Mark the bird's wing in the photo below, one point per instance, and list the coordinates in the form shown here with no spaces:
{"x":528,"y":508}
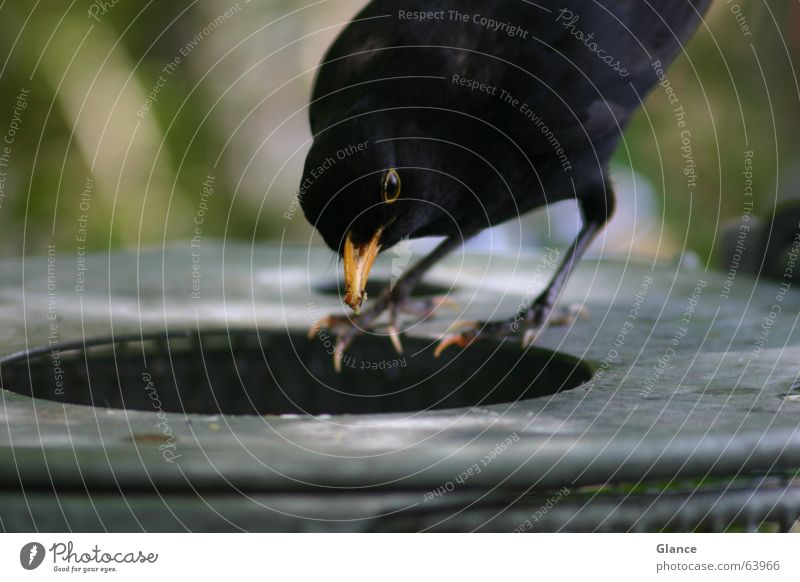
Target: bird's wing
{"x":594,"y":64}
{"x":554,"y":70}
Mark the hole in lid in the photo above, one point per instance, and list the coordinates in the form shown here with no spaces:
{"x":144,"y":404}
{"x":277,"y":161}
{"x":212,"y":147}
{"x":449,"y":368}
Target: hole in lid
{"x":278,"y":372}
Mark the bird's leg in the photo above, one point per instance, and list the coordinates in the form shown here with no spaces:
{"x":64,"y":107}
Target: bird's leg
{"x":596,"y":209}
{"x":392,"y":300}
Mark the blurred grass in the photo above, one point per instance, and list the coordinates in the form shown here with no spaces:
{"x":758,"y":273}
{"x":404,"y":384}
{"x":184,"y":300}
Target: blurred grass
{"x":88,"y":79}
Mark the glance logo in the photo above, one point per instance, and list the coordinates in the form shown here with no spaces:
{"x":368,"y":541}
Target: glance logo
{"x":31,"y":555}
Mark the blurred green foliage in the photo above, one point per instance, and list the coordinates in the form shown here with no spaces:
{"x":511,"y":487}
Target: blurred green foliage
{"x":88,"y":79}
{"x":740,"y":93}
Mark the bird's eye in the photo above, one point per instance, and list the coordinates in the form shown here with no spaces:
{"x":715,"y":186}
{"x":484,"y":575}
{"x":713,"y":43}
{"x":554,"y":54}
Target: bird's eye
{"x":391,"y":186}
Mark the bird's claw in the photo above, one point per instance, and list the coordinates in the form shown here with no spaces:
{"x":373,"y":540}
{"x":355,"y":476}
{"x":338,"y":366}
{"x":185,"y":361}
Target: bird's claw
{"x":535,"y":322}
{"x":348,"y":329}
{"x":394,"y":336}
{"x":345,"y":331}
{"x":329,"y":322}
{"x":462,"y":340}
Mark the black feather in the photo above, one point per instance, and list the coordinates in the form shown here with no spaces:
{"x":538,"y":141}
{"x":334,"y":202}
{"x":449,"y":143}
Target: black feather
{"x":472,"y":158}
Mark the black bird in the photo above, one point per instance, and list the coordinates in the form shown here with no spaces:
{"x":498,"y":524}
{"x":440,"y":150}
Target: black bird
{"x":443,"y":118}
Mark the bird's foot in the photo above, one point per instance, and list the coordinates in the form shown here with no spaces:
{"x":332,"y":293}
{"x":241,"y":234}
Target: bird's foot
{"x":347,"y":328}
{"x":532,"y":322}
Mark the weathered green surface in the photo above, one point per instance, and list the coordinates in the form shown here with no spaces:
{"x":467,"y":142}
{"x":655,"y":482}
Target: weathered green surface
{"x":718,"y":404}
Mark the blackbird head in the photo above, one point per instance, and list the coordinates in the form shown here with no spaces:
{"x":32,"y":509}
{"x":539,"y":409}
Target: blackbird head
{"x":364,"y":195}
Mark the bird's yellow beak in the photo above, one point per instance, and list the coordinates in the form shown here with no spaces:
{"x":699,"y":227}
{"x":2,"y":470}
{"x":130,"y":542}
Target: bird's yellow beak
{"x":358,"y":260}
